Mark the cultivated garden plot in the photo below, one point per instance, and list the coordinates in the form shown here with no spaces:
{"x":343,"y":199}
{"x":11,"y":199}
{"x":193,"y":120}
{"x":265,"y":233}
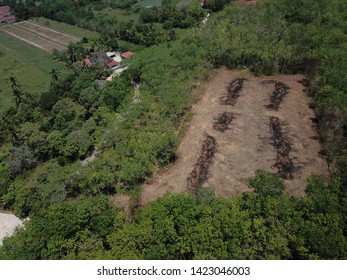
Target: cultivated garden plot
{"x":242,"y":124}
{"x":39,"y":36}
{"x":48,"y":33}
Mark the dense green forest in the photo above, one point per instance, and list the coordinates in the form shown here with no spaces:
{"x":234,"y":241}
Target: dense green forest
{"x":43,"y":138}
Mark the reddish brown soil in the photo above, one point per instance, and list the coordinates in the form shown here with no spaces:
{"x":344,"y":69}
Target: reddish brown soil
{"x":248,"y":144}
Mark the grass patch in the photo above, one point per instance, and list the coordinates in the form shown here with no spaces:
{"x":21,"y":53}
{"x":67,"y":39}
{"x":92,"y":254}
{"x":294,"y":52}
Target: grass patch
{"x":66,"y":28}
{"x":128,"y":46}
{"x":30,"y":65}
{"x":175,"y":2}
{"x":118,"y":14}
{"x":154,"y":3}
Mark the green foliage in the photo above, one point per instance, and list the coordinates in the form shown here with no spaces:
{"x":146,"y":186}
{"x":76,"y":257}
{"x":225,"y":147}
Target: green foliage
{"x":267,"y":184}
{"x":134,"y":131}
{"x":65,"y":230}
{"x":21,"y":159}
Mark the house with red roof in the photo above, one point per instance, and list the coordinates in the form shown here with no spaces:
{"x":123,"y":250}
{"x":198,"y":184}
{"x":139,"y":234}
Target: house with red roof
{"x":127,"y":54}
{"x":100,"y":58}
{"x":5,"y":15}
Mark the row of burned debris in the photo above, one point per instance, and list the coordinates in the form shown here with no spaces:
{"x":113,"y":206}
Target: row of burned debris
{"x":284,"y":164}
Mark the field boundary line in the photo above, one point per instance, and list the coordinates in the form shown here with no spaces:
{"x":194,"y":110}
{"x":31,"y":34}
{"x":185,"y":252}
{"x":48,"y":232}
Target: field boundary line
{"x":55,"y":31}
{"x":40,"y":34}
{"x":25,"y":40}
{"x":183,"y":3}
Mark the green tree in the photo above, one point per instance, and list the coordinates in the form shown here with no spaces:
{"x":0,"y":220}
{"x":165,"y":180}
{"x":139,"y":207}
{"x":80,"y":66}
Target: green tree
{"x":16,"y":90}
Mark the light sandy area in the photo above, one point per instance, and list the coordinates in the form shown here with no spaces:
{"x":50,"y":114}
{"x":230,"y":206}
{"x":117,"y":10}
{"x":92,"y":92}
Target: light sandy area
{"x":8,"y":224}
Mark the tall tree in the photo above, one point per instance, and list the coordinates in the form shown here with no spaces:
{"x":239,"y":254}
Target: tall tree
{"x":16,"y":90}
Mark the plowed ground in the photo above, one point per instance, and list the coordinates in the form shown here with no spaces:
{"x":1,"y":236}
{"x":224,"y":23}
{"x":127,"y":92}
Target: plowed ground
{"x":250,"y":142}
{"x":39,"y":36}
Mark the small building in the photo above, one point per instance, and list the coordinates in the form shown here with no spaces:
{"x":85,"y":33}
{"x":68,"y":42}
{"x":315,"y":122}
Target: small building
{"x":112,"y":64}
{"x":5,"y":15}
{"x":127,"y":54}
{"x":100,"y":58}
{"x":87,"y":61}
{"x":110,"y":54}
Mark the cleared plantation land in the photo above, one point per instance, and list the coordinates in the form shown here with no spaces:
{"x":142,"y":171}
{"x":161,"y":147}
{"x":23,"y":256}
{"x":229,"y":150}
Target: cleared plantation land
{"x":30,"y":65}
{"x":236,"y":131}
{"x":38,"y":36}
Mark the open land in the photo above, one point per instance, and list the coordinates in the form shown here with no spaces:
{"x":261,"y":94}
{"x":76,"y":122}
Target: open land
{"x":118,"y":14}
{"x":39,"y":36}
{"x":8,"y":224}
{"x":65,"y":28}
{"x":31,"y":66}
{"x":242,"y":124}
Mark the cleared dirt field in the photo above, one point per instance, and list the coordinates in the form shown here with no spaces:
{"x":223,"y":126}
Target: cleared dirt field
{"x":249,"y":140}
{"x":39,"y":36}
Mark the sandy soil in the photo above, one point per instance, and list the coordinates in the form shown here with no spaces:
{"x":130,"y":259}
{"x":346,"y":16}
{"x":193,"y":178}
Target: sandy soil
{"x":8,"y":223}
{"x":246,"y":146}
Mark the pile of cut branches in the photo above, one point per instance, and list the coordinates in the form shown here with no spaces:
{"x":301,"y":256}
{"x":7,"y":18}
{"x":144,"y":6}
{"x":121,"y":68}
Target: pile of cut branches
{"x":233,"y":92}
{"x":200,"y":172}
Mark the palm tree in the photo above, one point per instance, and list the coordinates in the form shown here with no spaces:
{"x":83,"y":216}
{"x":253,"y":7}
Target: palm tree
{"x":71,"y":51}
{"x":8,"y":122}
{"x":16,"y":90}
{"x":54,"y":75}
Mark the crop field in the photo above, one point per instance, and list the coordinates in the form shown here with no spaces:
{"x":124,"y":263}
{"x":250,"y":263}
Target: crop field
{"x":30,"y":65}
{"x":65,"y":28}
{"x":242,"y":124}
{"x":39,"y":36}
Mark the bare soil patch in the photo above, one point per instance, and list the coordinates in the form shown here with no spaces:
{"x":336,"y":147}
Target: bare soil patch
{"x":285,"y":144}
{"x":223,"y":121}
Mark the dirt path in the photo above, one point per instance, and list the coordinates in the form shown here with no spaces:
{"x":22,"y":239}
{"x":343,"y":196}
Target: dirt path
{"x":248,"y":144}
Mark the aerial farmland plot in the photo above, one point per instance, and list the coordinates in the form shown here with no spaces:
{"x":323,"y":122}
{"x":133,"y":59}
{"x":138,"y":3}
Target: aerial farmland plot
{"x":241,"y":124}
{"x":39,"y":36}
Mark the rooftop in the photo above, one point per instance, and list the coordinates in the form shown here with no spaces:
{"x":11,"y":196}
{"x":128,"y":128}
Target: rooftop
{"x":127,"y":54}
